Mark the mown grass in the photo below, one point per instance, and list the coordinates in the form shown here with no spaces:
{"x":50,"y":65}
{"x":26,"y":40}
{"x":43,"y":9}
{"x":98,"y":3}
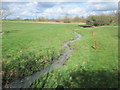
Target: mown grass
{"x":29,"y":47}
{"x":88,"y":67}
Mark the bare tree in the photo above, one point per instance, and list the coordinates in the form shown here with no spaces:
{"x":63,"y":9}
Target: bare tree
{"x":67,"y":18}
{"x":4,"y":14}
{"x":116,"y":17}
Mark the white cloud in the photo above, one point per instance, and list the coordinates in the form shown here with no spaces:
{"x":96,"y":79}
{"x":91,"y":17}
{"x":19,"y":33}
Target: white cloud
{"x":60,"y":0}
{"x":62,"y":10}
{"x":54,"y":10}
{"x":22,"y":9}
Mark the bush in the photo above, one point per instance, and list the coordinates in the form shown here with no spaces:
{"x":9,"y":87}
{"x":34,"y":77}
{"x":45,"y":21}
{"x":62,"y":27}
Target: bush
{"x":99,"y":20}
{"x":78,"y":19}
{"x":67,"y":21}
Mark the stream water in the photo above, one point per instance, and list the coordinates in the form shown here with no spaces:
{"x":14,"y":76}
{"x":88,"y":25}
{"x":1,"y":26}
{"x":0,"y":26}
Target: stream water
{"x":57,"y":63}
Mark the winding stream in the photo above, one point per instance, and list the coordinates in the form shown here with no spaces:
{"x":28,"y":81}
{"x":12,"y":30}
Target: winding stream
{"x":57,"y":63}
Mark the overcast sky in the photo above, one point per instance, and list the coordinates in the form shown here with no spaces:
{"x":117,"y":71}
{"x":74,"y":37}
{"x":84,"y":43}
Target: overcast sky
{"x":58,"y":9}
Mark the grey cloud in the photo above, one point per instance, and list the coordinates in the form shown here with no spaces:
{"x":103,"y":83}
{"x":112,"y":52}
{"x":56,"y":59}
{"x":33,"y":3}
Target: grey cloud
{"x":102,"y":6}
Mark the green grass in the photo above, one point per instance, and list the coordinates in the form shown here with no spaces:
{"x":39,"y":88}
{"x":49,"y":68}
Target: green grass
{"x":29,"y":47}
{"x":87,"y":67}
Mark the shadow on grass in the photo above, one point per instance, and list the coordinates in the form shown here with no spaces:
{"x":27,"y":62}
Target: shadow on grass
{"x":11,"y":31}
{"x":94,"y":79}
{"x":93,"y":47}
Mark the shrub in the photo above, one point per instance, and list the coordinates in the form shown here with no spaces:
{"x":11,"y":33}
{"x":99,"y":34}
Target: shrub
{"x":67,"y":21}
{"x":99,"y":20}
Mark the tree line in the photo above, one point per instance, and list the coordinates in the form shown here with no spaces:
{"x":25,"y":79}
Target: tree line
{"x":95,"y":20}
{"x":65,"y":19}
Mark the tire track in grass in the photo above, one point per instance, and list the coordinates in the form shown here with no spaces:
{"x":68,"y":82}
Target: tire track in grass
{"x":57,"y":63}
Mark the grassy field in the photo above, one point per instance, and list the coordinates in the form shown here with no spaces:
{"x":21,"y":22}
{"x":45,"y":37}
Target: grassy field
{"x":87,"y":67}
{"x":29,"y":47}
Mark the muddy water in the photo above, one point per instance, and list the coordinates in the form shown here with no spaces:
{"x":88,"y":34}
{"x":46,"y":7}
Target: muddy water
{"x":57,"y":63}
